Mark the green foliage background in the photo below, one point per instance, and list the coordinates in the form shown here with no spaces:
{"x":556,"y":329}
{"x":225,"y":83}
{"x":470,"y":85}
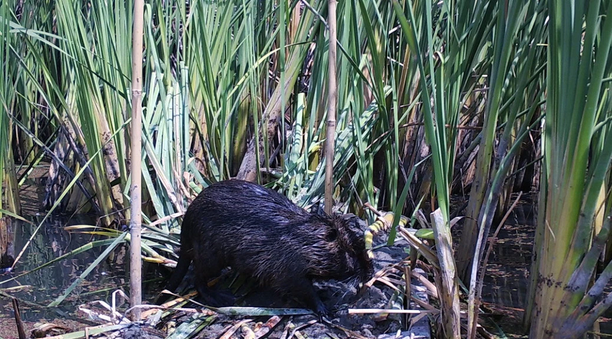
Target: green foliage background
{"x":434,"y":99}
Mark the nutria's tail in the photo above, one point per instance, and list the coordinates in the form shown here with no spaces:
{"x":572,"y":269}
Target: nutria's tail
{"x":182,"y":266}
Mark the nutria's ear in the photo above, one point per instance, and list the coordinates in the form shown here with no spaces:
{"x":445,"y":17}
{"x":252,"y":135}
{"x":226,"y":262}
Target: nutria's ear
{"x":331,"y":235}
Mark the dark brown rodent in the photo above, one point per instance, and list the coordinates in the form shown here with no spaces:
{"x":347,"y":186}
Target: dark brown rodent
{"x":263,"y":235}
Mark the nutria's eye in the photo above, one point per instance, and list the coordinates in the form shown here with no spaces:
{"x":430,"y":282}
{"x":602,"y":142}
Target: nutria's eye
{"x":331,"y":235}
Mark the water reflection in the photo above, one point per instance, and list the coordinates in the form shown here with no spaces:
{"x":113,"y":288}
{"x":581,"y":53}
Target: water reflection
{"x":45,"y":285}
{"x":507,"y":277}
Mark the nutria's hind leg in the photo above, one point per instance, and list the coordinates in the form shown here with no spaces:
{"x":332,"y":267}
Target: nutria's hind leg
{"x":182,"y":266}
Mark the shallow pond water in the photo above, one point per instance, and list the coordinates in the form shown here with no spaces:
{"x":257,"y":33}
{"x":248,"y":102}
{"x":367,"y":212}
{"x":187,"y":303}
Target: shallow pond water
{"x":507,"y":278}
{"x":506,"y":282}
{"x":36,"y":287}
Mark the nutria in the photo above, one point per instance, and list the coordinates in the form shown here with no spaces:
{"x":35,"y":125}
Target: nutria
{"x":261,"y":234}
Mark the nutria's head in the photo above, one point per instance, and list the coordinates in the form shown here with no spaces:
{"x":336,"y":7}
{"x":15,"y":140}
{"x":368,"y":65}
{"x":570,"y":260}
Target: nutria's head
{"x":338,"y":248}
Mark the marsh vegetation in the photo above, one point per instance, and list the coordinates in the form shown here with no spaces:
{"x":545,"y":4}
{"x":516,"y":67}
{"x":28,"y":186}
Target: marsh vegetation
{"x":485,"y":100}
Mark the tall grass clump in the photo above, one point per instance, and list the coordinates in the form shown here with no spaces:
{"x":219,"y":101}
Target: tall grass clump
{"x":567,"y":293}
{"x":8,"y":196}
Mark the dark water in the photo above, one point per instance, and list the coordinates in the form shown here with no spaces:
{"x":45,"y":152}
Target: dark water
{"x":507,"y":278}
{"x":42,"y":286}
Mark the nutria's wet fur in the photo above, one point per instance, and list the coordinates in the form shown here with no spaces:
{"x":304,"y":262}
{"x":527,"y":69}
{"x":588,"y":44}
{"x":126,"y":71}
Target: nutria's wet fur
{"x":263,"y":235}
